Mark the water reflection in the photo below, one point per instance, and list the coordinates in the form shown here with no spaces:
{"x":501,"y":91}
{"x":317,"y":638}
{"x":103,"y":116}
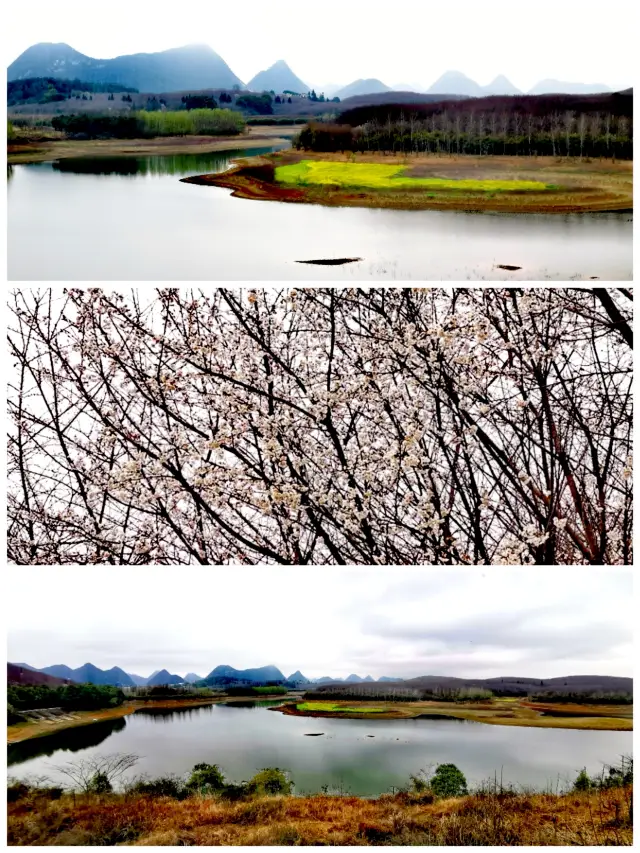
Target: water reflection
{"x":167,"y":715}
{"x":67,"y":740}
{"x":165,"y":164}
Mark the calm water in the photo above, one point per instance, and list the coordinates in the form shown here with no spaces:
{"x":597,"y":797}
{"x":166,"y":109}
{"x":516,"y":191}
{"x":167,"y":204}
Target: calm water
{"x":130,"y":218}
{"x":243,"y":740}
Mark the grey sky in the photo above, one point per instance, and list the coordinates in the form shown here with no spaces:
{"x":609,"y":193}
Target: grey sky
{"x":400,"y":622}
{"x":337,"y":42}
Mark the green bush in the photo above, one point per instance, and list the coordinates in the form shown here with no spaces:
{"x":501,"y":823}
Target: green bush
{"x":206,"y":779}
{"x":99,"y":784}
{"x":448,"y":781}
{"x":270,"y":781}
{"x":583,"y":782}
{"x":11,"y":133}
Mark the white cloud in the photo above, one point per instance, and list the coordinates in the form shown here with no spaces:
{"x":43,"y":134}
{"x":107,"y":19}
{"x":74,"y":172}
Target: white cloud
{"x":393,"y":621}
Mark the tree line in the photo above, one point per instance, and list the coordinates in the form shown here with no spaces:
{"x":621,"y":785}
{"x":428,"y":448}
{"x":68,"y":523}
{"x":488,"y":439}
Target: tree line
{"x":208,"y":122}
{"x":558,"y":135}
{"x":549,"y":125}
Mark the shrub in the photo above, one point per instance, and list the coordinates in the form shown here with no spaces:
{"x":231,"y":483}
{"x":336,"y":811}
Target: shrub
{"x":13,"y":716}
{"x":206,"y":779}
{"x":448,"y":781}
{"x":16,"y":790}
{"x":165,"y":786}
{"x":583,"y":782}
{"x":271,"y":781}
{"x":99,"y":784}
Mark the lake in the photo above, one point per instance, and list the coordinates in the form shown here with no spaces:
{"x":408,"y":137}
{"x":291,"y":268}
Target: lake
{"x":130,"y":218}
{"x":246,"y":737}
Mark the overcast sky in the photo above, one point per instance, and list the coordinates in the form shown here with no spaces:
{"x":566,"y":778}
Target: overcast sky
{"x":337,"y":41}
{"x":398,"y":622}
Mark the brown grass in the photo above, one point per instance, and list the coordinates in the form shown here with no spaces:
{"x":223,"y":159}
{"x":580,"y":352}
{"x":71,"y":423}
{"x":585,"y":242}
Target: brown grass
{"x":595,"y":818}
{"x":584,"y":185}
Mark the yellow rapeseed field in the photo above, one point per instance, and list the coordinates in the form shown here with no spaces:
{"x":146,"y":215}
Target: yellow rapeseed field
{"x":383,"y":177}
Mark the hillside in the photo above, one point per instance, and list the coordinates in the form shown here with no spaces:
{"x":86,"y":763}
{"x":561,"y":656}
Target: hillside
{"x":189,"y":67}
{"x":20,"y":674}
{"x":278,"y":78}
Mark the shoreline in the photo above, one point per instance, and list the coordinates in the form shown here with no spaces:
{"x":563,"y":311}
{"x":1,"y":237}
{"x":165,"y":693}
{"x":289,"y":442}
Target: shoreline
{"x":45,"y":150}
{"x":608,"y":186}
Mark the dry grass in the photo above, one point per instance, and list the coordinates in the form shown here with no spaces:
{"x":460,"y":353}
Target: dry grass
{"x":583,"y":185}
{"x":597,"y":818}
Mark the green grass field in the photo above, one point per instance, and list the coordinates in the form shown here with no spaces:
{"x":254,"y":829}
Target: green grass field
{"x":332,"y":708}
{"x":382,"y":177}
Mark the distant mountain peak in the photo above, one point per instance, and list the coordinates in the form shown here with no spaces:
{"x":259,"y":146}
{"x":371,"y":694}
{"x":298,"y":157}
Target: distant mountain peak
{"x":277,"y":77}
{"x":368,"y":86}
{"x":179,"y":68}
{"x":298,"y":678}
{"x":455,"y":83}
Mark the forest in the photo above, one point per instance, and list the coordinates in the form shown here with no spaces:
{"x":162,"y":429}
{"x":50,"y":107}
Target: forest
{"x":546,"y":125}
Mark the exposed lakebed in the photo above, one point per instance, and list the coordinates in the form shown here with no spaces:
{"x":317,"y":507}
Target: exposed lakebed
{"x":131,"y":218}
{"x":364,"y":757}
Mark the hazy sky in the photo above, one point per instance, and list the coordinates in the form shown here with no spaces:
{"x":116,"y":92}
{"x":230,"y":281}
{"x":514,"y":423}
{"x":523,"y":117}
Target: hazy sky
{"x":399,"y":622}
{"x":336,"y":41}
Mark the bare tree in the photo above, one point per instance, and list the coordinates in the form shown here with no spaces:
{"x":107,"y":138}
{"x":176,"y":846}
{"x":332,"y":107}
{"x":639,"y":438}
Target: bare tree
{"x":319,"y":426}
{"x":98,"y":773}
